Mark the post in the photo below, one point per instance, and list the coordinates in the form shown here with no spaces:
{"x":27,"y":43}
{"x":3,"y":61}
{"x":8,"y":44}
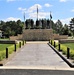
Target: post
{"x":68,"y":53}
{"x":54,"y":44}
{"x":6,"y":52}
{"x":19,"y":44}
{"x":59,"y":47}
{"x":23,"y":42}
{"x":15,"y":47}
{"x":51,"y":42}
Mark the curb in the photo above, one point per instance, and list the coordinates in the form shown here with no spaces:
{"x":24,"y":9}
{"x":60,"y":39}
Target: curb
{"x":68,"y":62}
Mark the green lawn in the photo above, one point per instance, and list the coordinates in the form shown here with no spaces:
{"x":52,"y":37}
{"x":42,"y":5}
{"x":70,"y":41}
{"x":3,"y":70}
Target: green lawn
{"x":3,"y":46}
{"x":63,"y":48}
{"x":70,"y":45}
{"x":3,"y":50}
{"x":4,"y":39}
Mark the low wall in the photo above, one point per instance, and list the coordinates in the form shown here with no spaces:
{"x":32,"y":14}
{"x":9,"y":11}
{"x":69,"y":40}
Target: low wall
{"x":19,"y":37}
{"x":38,"y":34}
{"x":66,"y":41}
{"x":7,"y":42}
{"x":57,"y":36}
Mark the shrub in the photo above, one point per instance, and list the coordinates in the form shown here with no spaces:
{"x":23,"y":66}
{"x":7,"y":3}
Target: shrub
{"x":64,"y":49}
{"x":72,"y":54}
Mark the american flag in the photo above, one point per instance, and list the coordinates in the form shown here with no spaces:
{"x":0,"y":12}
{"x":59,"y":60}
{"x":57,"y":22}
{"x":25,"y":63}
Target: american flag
{"x":50,"y":16}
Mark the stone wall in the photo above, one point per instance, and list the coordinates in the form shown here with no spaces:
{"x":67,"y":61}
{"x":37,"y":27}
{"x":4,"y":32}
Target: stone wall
{"x":38,"y":34}
{"x":19,"y":37}
{"x":66,"y":41}
{"x":8,"y":42}
{"x":57,"y":36}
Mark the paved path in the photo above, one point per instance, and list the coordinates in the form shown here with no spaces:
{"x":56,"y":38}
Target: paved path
{"x":37,"y":54}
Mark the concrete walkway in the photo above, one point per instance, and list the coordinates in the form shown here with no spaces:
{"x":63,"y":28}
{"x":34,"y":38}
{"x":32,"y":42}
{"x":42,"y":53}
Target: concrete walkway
{"x":37,"y":54}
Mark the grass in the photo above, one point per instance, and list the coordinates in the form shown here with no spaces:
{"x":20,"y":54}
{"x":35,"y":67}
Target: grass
{"x":10,"y":50}
{"x":3,"y":46}
{"x":4,"y":38}
{"x":3,"y":50}
{"x":64,"y":48}
{"x":70,"y":45}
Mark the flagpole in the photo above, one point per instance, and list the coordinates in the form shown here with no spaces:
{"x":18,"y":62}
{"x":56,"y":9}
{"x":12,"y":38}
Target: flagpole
{"x":37,"y":12}
{"x":24,"y":20}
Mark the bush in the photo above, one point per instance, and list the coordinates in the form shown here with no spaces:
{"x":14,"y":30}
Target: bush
{"x":64,"y":49}
{"x":72,"y":54}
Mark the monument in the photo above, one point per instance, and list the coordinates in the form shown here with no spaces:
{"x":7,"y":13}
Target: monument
{"x":38,"y":34}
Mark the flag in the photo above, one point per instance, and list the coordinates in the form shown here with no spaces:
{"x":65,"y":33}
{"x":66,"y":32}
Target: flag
{"x":50,"y":16}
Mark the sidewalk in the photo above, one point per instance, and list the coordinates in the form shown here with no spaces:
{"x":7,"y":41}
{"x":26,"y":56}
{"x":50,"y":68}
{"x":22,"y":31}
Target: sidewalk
{"x":37,"y":54}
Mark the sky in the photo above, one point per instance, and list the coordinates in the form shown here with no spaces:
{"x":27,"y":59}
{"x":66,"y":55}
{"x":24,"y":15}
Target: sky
{"x":15,"y":9}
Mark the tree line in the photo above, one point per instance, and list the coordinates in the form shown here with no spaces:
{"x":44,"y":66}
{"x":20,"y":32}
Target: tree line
{"x":11,"y":28}
{"x":57,"y":27}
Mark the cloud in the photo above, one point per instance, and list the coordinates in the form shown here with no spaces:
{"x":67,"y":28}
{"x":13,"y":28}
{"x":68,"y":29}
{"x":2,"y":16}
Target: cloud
{"x":40,"y":15}
{"x":31,"y":12}
{"x":11,"y":19}
{"x":63,"y":0}
{"x":22,"y":9}
{"x":64,"y":21}
{"x":13,"y":0}
{"x":47,"y":5}
{"x":34,"y":8}
{"x":72,"y":10}
{"x":30,"y":9}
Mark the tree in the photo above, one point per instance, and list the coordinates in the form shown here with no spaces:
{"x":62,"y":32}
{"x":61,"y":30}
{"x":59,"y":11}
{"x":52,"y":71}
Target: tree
{"x":66,"y":30}
{"x":37,"y":24}
{"x":32,"y":24}
{"x":44,"y":23}
{"x":26,"y":22}
{"x":1,"y":24}
{"x":10,"y":28}
{"x":72,"y":25}
{"x":59,"y":27}
{"x":48,"y":24}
